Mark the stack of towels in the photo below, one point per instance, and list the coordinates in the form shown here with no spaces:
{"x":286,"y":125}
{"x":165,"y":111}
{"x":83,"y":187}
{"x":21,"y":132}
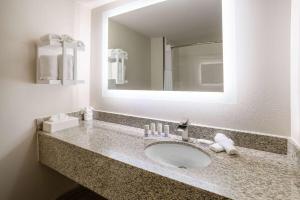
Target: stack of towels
{"x":88,"y":113}
{"x":52,"y":66}
{"x":61,"y":38}
{"x":223,"y":143}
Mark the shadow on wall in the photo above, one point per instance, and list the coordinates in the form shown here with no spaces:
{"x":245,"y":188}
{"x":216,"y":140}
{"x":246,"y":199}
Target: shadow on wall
{"x":22,"y":163}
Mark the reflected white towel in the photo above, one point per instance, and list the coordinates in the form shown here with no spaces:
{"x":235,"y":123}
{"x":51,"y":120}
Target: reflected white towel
{"x":168,"y":82}
{"x":168,"y":73}
{"x":226,"y":143}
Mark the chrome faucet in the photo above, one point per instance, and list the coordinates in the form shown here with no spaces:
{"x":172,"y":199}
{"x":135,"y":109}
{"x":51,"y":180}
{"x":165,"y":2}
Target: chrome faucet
{"x":182,"y":129}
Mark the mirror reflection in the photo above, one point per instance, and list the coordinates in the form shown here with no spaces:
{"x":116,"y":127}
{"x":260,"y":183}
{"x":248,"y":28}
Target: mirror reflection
{"x":174,"y":45}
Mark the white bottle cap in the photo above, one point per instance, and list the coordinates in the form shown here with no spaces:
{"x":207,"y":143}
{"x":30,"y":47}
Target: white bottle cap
{"x":146,"y":130}
{"x":159,"y":128}
{"x":152,"y":127}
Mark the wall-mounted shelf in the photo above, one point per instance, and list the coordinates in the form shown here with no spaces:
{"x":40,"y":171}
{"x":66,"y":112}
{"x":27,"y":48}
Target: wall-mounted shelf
{"x":73,"y":82}
{"x":59,"y":82}
{"x":50,"y":82}
{"x":57,"y":61}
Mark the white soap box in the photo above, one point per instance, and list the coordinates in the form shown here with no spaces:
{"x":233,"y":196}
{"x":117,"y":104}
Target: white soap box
{"x":50,"y":126}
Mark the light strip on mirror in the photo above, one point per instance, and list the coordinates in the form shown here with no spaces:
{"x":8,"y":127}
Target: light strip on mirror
{"x":229,"y":58}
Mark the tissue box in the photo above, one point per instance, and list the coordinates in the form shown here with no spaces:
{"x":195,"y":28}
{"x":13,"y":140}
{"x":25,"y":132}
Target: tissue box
{"x":51,"y":127}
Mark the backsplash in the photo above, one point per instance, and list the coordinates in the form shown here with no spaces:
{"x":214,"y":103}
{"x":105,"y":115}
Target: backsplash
{"x":242,"y":139}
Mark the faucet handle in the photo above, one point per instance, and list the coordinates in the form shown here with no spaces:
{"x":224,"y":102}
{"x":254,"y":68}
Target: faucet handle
{"x":184,"y":122}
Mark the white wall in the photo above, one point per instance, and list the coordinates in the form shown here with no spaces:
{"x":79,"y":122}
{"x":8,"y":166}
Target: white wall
{"x":22,"y":101}
{"x":157,"y":63}
{"x":263,"y":98}
{"x":295,"y":72}
{"x":138,"y":48}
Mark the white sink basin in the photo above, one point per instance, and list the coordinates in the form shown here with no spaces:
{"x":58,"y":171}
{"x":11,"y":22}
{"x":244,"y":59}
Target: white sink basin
{"x":177,"y":155}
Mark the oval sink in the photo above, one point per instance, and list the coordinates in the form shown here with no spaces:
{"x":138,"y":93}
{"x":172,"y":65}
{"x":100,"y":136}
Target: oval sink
{"x":177,"y":155}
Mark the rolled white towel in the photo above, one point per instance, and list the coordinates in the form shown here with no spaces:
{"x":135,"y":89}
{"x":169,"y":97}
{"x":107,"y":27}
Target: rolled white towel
{"x":203,"y":141}
{"x":50,"y":37}
{"x":67,"y":38}
{"x":216,"y":147}
{"x":226,"y":143}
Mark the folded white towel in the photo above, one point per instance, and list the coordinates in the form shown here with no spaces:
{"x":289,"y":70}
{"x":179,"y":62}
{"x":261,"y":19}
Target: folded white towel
{"x":216,"y":147}
{"x":226,"y":143}
{"x":203,"y":141}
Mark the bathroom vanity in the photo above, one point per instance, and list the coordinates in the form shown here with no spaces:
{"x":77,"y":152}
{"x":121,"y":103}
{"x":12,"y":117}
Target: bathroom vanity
{"x":109,"y":159}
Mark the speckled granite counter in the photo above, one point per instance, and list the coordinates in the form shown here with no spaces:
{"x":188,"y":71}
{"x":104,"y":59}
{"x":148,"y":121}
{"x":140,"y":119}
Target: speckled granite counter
{"x":109,"y":159}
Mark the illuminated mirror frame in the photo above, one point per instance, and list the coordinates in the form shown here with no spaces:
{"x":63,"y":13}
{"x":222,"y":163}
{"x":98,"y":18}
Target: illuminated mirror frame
{"x":229,"y":60}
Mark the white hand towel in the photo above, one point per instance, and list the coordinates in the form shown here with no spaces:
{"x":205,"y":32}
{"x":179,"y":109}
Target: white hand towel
{"x":48,"y":67}
{"x":68,"y":69}
{"x":216,"y":148}
{"x":227,"y":143}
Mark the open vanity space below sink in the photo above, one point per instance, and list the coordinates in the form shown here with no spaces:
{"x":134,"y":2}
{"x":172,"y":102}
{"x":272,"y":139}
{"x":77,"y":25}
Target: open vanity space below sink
{"x":110,"y":159}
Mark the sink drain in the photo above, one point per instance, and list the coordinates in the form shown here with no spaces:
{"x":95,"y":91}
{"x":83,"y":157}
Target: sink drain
{"x":182,"y":167}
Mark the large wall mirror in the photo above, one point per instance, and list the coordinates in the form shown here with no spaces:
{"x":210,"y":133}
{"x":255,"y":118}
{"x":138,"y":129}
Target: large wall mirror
{"x":174,"y":45}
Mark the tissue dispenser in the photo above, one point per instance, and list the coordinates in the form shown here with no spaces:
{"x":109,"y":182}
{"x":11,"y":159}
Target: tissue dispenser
{"x":51,"y":127}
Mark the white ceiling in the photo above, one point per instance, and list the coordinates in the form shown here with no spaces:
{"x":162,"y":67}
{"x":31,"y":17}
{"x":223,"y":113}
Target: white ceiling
{"x":181,"y":21}
{"x":94,"y":3}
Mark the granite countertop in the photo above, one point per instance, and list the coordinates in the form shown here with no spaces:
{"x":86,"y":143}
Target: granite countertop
{"x":252,"y":174}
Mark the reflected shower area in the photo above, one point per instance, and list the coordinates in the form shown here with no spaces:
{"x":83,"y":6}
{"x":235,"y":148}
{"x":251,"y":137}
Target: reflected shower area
{"x":162,"y":47}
